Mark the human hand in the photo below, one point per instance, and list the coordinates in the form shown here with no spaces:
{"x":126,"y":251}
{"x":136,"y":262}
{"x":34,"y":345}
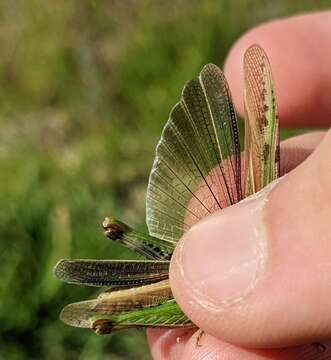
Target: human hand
{"x":282,"y":295}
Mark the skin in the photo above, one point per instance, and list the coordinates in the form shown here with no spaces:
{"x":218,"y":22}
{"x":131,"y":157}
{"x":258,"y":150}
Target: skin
{"x":296,"y":217}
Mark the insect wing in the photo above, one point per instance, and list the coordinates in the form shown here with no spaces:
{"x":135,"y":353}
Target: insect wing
{"x":197,"y":168}
{"x":126,"y":308}
{"x":150,"y":247}
{"x":261,"y":127}
{"x":114,"y":273}
{"x":167,"y":314}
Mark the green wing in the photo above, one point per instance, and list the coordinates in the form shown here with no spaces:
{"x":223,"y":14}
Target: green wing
{"x":84,"y":315}
{"x":167,"y":314}
{"x":197,"y":168}
{"x":150,"y":305}
{"x":114,"y":273}
{"x":261,"y":127}
{"x":150,"y":247}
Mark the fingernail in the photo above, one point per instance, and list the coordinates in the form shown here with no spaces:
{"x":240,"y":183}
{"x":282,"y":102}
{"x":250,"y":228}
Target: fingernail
{"x":222,"y":257}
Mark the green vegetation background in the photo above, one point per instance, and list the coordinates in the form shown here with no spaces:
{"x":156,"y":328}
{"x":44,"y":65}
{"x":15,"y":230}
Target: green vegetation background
{"x":86,"y":88}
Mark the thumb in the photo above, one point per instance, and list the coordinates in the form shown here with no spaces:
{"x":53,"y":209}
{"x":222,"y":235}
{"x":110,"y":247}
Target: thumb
{"x":258,"y":274}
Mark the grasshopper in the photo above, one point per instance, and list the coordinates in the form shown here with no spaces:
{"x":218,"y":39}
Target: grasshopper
{"x":198,"y":168}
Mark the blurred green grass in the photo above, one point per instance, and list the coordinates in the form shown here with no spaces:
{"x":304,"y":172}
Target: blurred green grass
{"x":86,"y":87}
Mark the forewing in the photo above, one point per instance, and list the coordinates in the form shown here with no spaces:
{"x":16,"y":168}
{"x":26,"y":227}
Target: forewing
{"x":150,"y":305}
{"x":167,"y":314}
{"x":150,"y":247}
{"x":113,"y":273}
{"x":261,"y":127}
{"x":197,"y":169}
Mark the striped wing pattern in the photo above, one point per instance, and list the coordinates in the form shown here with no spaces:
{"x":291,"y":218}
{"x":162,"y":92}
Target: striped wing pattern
{"x":113,"y":273}
{"x":199,"y":150}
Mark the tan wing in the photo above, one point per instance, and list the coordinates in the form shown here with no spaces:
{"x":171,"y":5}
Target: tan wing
{"x":261,"y":126}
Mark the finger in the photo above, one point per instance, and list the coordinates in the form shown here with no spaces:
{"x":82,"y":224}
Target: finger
{"x":179,"y":345}
{"x":258,"y":274}
{"x":299,"y":50}
{"x":212,"y":348}
{"x":296,"y":149}
{"x":168,"y":344}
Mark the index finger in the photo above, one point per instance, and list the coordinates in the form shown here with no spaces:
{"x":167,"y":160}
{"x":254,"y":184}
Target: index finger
{"x":299,"y":50}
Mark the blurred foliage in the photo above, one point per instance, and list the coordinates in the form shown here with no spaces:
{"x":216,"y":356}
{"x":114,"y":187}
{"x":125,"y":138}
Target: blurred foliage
{"x":86,"y":87}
